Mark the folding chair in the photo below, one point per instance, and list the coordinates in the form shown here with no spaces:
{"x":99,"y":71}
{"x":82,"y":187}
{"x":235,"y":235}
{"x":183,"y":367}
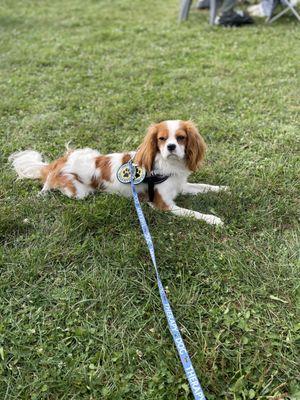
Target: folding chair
{"x":185,"y":9}
{"x":288,"y":6}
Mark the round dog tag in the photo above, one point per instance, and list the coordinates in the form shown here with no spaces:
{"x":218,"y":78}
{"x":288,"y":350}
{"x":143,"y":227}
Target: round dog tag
{"x":123,"y":174}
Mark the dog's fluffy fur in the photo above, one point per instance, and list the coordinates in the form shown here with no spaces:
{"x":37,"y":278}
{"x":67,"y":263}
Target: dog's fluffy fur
{"x":173,"y":148}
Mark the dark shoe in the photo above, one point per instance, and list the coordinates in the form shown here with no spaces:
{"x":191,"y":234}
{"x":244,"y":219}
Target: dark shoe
{"x":234,"y":18}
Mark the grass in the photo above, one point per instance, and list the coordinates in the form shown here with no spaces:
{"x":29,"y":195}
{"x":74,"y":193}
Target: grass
{"x":80,"y":312}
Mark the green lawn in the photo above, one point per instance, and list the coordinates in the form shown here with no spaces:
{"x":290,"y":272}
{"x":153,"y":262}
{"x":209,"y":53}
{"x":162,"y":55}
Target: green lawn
{"x":80,"y":314}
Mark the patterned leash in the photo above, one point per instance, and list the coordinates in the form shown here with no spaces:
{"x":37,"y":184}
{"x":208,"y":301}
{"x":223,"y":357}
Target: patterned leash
{"x":179,"y":343}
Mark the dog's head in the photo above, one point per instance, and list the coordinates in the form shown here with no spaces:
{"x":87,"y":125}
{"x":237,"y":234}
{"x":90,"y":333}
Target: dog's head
{"x":173,"y":140}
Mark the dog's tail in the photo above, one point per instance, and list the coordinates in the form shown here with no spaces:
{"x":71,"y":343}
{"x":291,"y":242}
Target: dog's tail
{"x":28,"y":164}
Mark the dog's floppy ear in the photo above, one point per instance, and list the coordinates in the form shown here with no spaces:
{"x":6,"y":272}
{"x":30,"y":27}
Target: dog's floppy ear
{"x":195,"y":148}
{"x":147,"y":151}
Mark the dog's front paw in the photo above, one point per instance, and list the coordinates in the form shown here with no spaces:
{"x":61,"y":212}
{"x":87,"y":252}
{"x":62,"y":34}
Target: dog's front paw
{"x":212,"y":220}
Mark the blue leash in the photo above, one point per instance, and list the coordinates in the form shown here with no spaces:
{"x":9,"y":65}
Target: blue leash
{"x":179,"y":343}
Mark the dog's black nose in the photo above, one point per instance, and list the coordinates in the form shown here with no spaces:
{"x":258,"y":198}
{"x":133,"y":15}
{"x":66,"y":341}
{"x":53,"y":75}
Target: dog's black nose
{"x":171,"y":147}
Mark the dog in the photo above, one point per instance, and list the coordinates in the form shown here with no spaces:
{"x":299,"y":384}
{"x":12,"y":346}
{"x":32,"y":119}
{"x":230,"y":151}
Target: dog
{"x":169,"y":153}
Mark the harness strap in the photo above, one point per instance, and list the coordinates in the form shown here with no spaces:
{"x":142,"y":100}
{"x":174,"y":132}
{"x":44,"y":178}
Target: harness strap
{"x":152,"y":180}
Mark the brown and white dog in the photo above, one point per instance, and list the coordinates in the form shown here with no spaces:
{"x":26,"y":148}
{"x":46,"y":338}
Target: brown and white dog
{"x":170,"y":148}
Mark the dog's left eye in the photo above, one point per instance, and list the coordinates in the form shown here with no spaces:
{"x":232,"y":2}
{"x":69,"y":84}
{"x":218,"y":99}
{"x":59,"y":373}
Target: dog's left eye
{"x":180,"y":138}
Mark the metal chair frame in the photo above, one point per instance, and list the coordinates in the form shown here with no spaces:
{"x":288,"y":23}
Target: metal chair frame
{"x":289,"y":7}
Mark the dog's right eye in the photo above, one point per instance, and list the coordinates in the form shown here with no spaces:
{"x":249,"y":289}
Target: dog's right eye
{"x":162,"y":139}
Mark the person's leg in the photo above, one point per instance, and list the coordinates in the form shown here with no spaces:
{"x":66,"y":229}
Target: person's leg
{"x":263,"y":9}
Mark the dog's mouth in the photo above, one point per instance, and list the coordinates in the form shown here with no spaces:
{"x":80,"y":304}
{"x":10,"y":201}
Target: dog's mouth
{"x":172,"y":155}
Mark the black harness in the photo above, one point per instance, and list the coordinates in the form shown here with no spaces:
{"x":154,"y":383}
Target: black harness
{"x":140,"y":176}
{"x":153,"y":180}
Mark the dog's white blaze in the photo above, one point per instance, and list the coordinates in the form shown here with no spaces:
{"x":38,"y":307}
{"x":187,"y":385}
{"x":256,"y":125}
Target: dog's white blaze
{"x":173,"y":126}
{"x":179,"y":151}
